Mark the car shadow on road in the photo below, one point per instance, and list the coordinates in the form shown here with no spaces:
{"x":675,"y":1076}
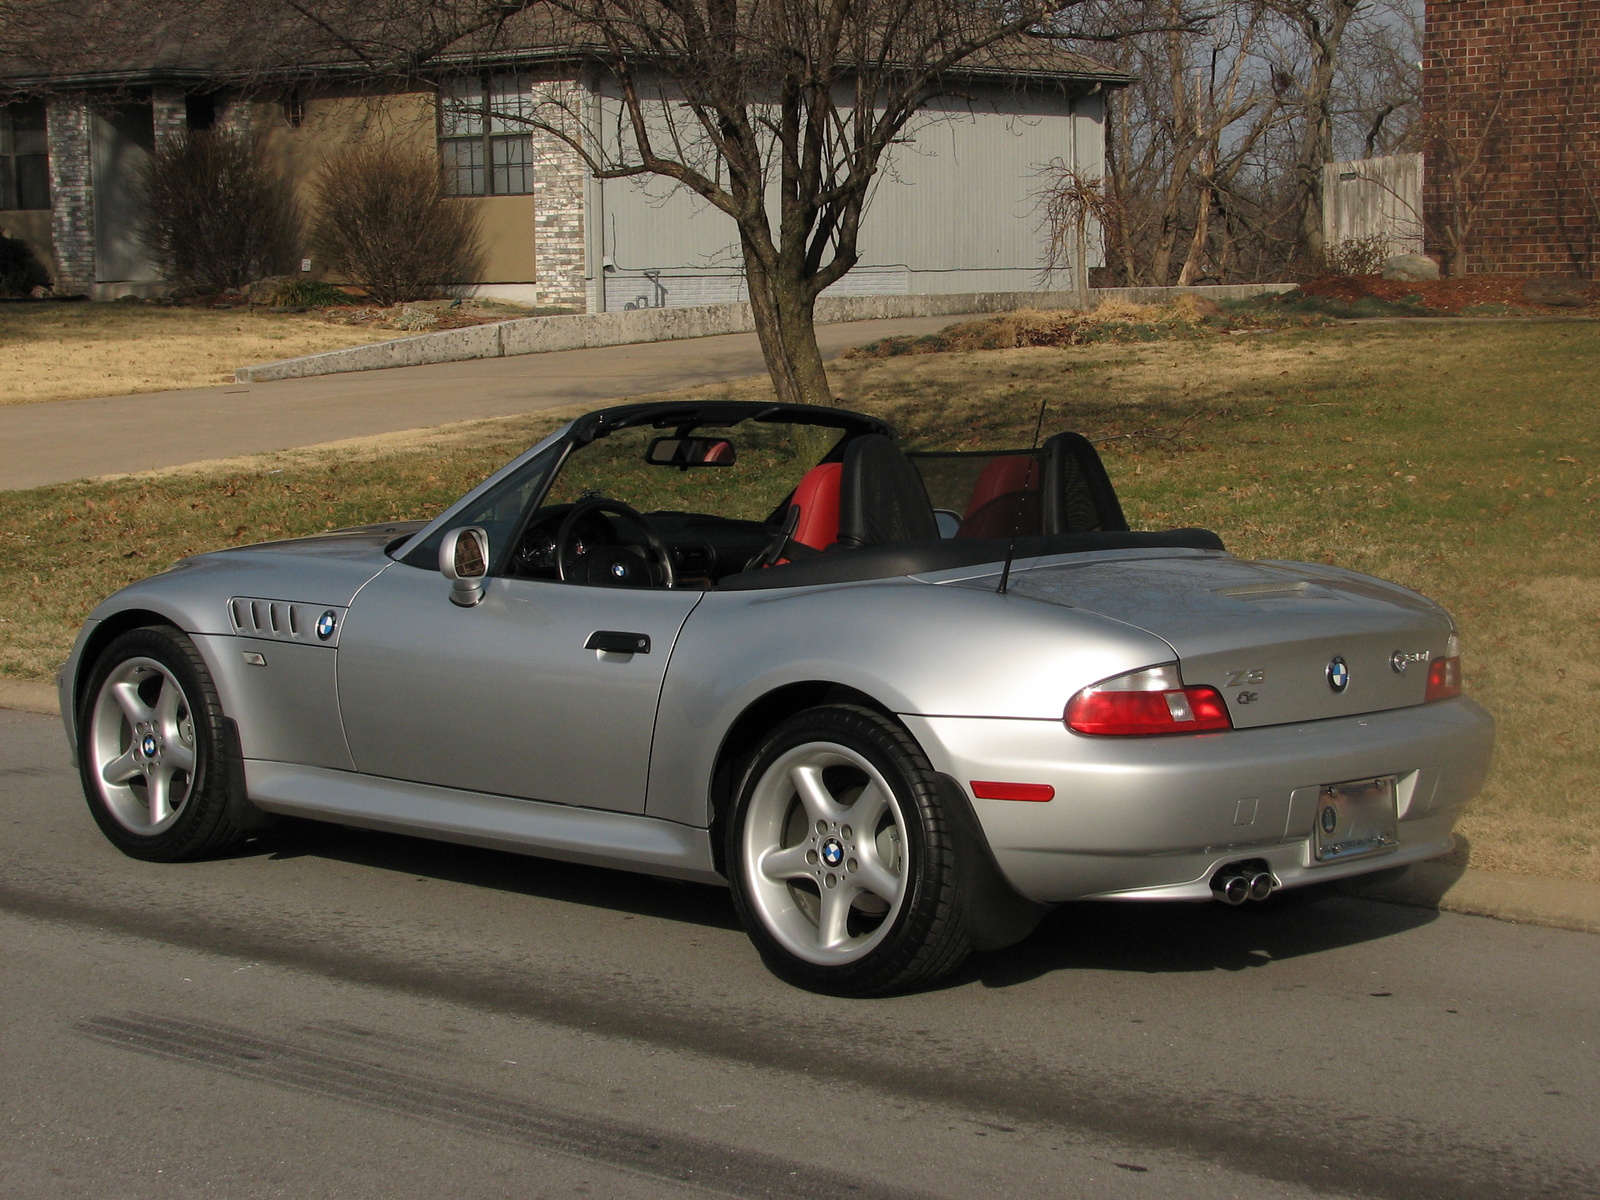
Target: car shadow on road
{"x":1172,"y":938}
{"x":520,"y":874}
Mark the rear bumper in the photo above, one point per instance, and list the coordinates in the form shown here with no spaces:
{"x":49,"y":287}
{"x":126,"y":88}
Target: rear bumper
{"x":1153,"y":818}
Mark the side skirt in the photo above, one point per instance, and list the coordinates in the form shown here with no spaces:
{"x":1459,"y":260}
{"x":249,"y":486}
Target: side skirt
{"x":604,"y":839}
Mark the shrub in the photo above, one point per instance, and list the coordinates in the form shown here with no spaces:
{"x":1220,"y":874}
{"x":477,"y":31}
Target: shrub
{"x":382,"y":220}
{"x":1354,"y":256}
{"x":215,"y":214}
{"x":291,"y":291}
{"x":20,"y":269}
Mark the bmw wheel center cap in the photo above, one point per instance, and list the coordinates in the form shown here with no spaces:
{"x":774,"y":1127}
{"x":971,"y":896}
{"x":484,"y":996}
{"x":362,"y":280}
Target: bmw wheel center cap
{"x":1338,"y":674}
{"x":832,"y":852}
{"x":149,"y":745}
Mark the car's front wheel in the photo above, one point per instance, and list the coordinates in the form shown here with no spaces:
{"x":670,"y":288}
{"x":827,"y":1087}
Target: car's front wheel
{"x":152,"y":751}
{"x":842,"y":862}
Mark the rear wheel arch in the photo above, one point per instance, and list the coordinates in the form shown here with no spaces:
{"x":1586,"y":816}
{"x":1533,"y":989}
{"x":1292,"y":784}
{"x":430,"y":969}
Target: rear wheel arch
{"x":751,"y":727}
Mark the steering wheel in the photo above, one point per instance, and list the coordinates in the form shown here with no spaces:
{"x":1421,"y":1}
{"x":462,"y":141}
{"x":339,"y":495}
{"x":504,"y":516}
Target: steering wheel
{"x":619,"y":566}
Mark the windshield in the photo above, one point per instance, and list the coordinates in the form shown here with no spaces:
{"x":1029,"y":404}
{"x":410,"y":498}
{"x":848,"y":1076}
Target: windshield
{"x":768,"y":461}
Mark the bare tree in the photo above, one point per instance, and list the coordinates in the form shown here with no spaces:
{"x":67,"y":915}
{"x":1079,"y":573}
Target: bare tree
{"x":781,"y":115}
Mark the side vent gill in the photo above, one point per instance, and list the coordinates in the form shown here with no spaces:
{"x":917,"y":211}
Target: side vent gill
{"x":283,"y":620}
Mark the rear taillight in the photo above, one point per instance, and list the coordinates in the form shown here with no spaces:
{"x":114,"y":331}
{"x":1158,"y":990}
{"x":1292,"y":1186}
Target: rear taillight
{"x":1146,"y":703}
{"x":1444,"y":674}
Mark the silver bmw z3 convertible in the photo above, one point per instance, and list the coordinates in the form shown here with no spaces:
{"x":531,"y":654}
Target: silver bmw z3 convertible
{"x":900,"y":702}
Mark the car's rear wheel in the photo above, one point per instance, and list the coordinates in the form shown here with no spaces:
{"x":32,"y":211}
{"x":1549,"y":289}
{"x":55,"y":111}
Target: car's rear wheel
{"x":842,"y":862}
{"x":153,"y":751}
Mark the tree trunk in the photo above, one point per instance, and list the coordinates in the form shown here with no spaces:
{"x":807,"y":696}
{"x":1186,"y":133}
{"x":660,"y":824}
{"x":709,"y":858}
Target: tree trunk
{"x":783,"y":310}
{"x":1197,"y":246}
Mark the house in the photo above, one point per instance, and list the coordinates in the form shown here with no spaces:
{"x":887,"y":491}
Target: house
{"x":956,"y":210}
{"x":1512,"y":113}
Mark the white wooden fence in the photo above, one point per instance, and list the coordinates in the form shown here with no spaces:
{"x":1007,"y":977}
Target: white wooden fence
{"x":1374,"y":197}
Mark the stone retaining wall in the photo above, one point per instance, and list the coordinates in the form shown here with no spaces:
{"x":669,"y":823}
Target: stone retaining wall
{"x":538,"y":335}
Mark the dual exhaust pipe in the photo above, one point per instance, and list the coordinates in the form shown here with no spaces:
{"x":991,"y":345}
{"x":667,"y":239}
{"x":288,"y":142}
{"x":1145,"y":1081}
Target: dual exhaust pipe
{"x":1238,"y":882}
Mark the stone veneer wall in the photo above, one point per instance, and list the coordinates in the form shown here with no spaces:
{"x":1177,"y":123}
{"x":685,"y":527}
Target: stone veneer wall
{"x":71,"y":194}
{"x":1513,"y":82}
{"x":559,"y":180}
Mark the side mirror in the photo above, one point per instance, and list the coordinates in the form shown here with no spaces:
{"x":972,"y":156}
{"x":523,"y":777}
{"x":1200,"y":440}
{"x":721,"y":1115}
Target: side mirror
{"x":685,"y":452}
{"x":464,"y":561}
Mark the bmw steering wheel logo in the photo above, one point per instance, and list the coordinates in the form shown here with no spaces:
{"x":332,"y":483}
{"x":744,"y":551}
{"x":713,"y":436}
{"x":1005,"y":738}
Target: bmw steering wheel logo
{"x":1338,"y":674}
{"x":326,"y":624}
{"x":618,"y":569}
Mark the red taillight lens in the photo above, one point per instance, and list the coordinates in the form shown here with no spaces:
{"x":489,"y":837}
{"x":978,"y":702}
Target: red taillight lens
{"x":1444,"y":679}
{"x":1147,"y":703}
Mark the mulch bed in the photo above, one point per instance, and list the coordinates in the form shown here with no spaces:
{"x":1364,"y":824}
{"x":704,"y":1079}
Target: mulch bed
{"x":1443,"y":295}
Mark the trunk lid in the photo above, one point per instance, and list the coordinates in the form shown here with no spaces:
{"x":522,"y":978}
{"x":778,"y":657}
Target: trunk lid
{"x":1264,"y":634}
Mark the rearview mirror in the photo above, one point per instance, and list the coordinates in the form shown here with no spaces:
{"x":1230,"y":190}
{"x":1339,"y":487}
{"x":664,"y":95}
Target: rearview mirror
{"x":687,"y":452}
{"x":464,"y":561}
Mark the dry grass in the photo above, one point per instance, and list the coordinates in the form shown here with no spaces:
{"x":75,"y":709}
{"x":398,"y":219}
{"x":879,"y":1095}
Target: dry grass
{"x":1463,"y":461}
{"x":68,"y":351}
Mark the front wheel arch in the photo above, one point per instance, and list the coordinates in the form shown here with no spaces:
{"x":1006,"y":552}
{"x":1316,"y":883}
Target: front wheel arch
{"x":106,"y":632}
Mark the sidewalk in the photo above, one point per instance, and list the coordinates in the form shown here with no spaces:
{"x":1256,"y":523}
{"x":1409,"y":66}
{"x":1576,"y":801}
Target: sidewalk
{"x":58,"y":440}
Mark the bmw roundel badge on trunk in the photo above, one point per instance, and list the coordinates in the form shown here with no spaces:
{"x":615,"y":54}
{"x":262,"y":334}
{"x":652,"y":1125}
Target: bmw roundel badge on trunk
{"x":1338,"y":673}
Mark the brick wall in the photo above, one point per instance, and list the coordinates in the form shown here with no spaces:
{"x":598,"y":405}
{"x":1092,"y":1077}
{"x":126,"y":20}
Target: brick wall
{"x":71,"y":195}
{"x":1511,"y":100}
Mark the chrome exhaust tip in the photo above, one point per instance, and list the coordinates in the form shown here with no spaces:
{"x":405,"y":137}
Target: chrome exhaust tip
{"x":1233,"y":889}
{"x":1261,"y":885}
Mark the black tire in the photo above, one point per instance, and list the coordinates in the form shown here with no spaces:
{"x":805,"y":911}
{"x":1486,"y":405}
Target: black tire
{"x":814,"y":874}
{"x":207,"y":814}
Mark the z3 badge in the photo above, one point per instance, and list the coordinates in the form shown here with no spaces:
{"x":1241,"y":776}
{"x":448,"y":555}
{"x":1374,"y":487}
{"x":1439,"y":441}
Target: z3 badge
{"x":1241,"y":678}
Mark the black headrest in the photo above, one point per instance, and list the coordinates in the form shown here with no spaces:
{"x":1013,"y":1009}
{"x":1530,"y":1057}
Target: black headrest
{"x":881,"y":496}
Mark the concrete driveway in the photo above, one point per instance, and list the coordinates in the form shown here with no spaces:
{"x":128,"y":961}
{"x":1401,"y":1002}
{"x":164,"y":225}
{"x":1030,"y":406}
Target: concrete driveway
{"x":71,"y":439}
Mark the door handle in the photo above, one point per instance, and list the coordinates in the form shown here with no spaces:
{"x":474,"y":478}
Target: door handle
{"x":611,"y":641}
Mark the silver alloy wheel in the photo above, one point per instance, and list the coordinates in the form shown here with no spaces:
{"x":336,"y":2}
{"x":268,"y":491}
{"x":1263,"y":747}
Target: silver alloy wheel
{"x":142,"y":745}
{"x":824,"y":848}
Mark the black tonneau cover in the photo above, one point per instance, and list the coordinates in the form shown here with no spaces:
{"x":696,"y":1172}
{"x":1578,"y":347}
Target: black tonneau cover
{"x":944,"y":554}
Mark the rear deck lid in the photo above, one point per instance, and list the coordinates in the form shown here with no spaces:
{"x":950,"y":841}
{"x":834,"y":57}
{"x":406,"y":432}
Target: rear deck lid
{"x":1282,"y":641}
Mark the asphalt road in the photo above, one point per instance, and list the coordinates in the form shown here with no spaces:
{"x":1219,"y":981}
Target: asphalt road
{"x":352,"y":1014}
{"x":57,"y":440}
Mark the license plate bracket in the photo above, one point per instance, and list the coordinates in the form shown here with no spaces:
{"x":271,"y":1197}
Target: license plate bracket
{"x":1355,"y":819}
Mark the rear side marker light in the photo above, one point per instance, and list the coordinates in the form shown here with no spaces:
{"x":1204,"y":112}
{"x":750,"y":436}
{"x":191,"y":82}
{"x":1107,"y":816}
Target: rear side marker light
{"x":1038,"y":793}
{"x":1148,"y":703}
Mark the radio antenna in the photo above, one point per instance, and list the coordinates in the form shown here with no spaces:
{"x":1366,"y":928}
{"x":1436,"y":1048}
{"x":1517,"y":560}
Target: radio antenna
{"x":1016,"y":525}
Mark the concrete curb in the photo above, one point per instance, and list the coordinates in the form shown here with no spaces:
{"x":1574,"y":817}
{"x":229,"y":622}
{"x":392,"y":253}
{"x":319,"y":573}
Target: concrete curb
{"x":539,"y":335}
{"x":1556,"y":903}
{"x":25,"y":696}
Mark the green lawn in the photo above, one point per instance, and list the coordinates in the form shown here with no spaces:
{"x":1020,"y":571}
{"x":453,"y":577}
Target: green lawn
{"x":1462,"y":460}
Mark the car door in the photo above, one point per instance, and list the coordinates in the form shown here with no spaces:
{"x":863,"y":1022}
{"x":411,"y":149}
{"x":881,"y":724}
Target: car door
{"x":508,"y":696}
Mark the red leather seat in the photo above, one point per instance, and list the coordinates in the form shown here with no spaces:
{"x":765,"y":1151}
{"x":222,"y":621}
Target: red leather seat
{"x":1005,"y":500}
{"x":817,"y":498}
